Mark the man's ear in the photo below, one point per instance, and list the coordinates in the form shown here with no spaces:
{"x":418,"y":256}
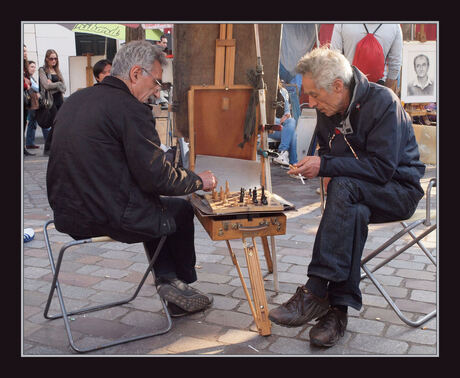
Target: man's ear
{"x":337,"y":85}
{"x":134,"y":73}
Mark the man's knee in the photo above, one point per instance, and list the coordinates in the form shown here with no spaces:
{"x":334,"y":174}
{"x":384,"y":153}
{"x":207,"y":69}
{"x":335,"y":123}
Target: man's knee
{"x":289,"y":124}
{"x":339,"y":186}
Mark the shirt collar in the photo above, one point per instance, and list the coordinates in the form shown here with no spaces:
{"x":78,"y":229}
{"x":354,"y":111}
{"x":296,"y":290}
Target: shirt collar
{"x":417,"y":84}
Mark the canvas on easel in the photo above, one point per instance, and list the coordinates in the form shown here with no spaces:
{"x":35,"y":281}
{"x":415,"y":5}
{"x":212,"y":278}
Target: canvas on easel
{"x":418,"y":75}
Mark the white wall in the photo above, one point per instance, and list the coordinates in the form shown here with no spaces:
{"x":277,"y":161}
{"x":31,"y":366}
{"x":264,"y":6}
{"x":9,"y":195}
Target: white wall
{"x":43,"y":36}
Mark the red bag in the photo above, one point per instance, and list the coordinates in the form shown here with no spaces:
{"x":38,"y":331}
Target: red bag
{"x":369,"y":58}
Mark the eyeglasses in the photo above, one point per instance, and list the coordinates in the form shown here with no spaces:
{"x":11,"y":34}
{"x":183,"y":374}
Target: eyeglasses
{"x":158,"y":82}
{"x":53,"y":58}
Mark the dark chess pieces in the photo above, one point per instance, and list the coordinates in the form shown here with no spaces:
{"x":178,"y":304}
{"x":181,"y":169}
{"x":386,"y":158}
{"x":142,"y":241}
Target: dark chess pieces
{"x":254,"y":196}
{"x":263,"y":198}
{"x":241,"y":195}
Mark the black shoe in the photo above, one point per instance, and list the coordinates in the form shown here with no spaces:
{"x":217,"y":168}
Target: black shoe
{"x":32,"y":146}
{"x":27,"y":153}
{"x":300,"y":309}
{"x":182,"y":295}
{"x":330,"y":328}
{"x":176,"y":312}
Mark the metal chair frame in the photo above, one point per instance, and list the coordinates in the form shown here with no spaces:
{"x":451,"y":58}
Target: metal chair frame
{"x":65,"y":314}
{"x":407,"y":229}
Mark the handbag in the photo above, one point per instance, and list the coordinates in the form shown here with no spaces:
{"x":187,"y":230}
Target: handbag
{"x":27,"y":99}
{"x":45,"y":116}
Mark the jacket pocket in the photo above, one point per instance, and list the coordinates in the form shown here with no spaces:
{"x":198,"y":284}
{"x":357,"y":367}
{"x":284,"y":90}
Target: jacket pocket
{"x":144,"y":215}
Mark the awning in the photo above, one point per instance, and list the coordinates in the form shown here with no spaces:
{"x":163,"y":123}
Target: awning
{"x":115,"y":31}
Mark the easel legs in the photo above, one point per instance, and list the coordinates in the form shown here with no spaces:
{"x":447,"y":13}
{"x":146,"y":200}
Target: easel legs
{"x":258,"y":306}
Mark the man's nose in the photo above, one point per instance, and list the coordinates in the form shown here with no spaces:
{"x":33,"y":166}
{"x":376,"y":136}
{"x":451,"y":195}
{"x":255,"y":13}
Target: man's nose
{"x":312,"y":102}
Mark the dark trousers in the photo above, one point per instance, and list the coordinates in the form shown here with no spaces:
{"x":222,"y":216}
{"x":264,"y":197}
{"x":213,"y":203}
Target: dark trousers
{"x":351,"y":205}
{"x":58,"y":100}
{"x":177,"y":257}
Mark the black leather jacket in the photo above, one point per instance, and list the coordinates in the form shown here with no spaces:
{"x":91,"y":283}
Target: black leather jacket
{"x":106,"y":170}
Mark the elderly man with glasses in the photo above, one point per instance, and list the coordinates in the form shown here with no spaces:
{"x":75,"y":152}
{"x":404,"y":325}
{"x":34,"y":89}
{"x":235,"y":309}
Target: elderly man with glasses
{"x":107,"y":174}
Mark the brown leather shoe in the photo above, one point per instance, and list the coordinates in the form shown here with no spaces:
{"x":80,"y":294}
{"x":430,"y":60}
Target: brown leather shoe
{"x":329,"y":329}
{"x":300,"y":309}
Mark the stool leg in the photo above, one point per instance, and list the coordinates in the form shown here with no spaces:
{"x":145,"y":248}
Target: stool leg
{"x":64,"y":314}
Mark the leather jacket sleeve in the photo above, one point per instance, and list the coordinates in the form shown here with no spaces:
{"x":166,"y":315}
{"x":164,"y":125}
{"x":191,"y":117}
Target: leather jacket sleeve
{"x":147,"y":162}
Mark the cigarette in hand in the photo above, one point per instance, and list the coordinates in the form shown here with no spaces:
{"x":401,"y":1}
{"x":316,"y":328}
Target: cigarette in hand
{"x":300,"y":176}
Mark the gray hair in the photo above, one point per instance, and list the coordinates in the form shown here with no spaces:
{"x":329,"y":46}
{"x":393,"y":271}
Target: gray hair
{"x":140,"y":53}
{"x":325,"y":65}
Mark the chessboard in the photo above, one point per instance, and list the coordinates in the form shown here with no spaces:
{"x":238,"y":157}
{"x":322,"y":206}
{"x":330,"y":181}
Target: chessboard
{"x":246,"y":200}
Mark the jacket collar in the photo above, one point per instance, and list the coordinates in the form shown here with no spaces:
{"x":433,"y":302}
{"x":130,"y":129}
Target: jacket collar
{"x":359,"y":87}
{"x":113,"y":81}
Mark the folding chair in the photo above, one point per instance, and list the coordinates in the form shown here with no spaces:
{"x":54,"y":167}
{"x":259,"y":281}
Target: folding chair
{"x":65,"y":314}
{"x":420,"y":217}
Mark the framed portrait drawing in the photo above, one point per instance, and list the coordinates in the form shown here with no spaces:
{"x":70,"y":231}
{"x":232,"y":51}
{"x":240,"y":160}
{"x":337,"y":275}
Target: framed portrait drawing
{"x":418,"y":76}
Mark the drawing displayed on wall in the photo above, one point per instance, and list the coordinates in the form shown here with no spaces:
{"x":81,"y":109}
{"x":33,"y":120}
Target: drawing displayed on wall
{"x":418,"y":76}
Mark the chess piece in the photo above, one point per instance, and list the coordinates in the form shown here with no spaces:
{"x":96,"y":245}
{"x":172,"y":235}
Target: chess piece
{"x":227,"y":188}
{"x":254,"y":196}
{"x":221,"y":194}
{"x":263,"y":198}
{"x":241,"y":195}
{"x":214,"y":195}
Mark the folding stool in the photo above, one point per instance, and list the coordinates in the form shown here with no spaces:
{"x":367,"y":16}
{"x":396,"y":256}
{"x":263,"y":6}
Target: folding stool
{"x":419,"y":218}
{"x":408,"y":226}
{"x":65,"y":314}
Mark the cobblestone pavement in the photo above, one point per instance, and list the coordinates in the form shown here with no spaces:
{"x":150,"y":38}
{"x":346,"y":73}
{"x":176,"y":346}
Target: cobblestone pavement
{"x":109,"y":271}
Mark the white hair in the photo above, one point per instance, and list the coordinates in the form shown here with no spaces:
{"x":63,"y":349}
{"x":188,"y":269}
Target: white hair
{"x":140,"y":53}
{"x":325,"y":65}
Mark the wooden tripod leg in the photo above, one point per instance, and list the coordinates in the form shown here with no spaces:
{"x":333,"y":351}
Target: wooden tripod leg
{"x":275,"y":265}
{"x":245,"y":288}
{"x":258,"y":291}
{"x":267,"y":254}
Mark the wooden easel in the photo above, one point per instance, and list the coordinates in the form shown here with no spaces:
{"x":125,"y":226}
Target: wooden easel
{"x":89,"y":71}
{"x":215,"y":128}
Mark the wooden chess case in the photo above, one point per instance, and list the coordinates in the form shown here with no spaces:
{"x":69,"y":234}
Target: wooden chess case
{"x":228,"y":227}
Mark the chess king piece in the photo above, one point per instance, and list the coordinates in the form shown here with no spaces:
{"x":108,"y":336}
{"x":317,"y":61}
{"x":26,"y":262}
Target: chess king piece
{"x":263,"y":198}
{"x":254,"y":196}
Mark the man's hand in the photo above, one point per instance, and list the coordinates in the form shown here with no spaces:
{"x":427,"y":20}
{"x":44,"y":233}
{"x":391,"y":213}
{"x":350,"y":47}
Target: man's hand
{"x":209,"y":180}
{"x":308,"y":167}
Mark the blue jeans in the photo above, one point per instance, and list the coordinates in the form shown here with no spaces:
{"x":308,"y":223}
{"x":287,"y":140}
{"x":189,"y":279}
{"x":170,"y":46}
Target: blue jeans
{"x":32,"y":128}
{"x":288,"y":138}
{"x":351,"y":205}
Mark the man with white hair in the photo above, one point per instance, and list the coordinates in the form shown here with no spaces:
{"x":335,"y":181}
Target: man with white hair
{"x":369,"y":159}
{"x":107,"y":174}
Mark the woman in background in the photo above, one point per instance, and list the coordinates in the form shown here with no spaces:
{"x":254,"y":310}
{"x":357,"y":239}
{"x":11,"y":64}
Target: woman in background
{"x":52,"y":80}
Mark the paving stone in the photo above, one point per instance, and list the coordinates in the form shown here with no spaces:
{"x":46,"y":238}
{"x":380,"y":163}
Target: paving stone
{"x":229,"y":319}
{"x":224,"y":303}
{"x":289,"y":346}
{"x":35,"y":272}
{"x":113,"y":285}
{"x":421,"y":284}
{"x":371,"y":327}
{"x":423,"y":295}
{"x":192,"y":345}
{"x":410,"y":334}
{"x":422,"y":350}
{"x":74,"y":279}
{"x":378,"y":345}
{"x":298,"y":260}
